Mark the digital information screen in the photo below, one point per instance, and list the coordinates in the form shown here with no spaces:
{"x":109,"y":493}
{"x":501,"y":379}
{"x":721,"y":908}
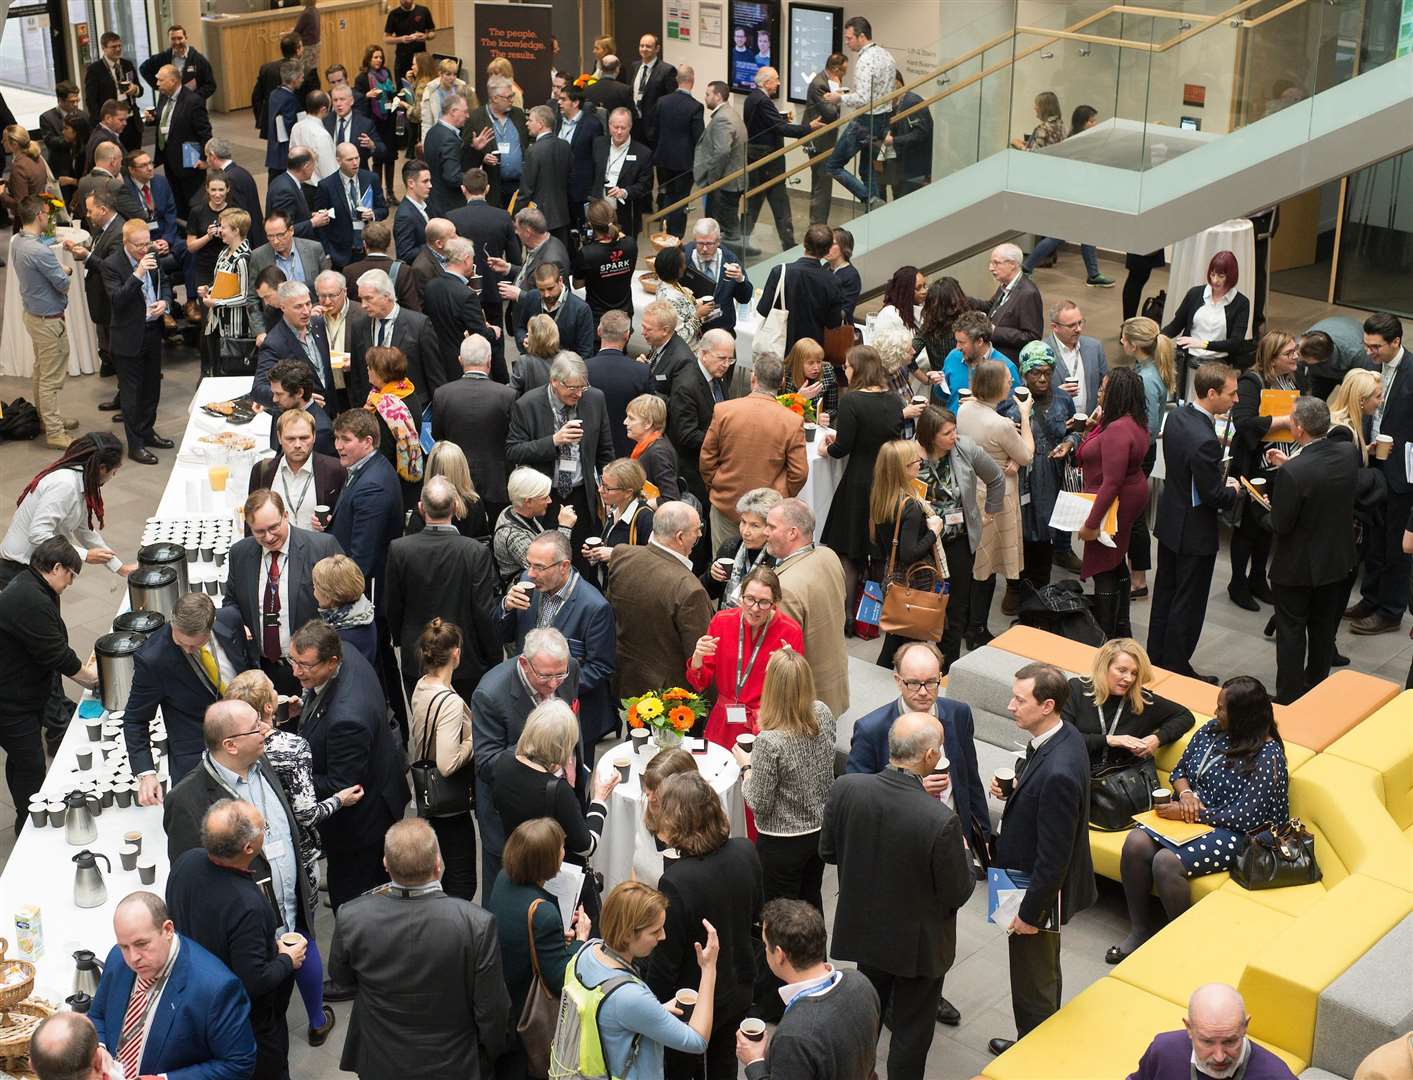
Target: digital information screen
{"x":815,"y":32}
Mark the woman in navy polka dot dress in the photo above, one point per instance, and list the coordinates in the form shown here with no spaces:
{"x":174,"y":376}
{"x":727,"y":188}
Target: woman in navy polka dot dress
{"x":1233,"y":777}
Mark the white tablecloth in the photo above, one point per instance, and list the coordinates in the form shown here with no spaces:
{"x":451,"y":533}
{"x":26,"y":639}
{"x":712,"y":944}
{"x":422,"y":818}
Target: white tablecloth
{"x":188,"y":490}
{"x":824,"y":476}
{"x":1191,"y":256}
{"x":16,"y":350}
{"x":625,"y":846}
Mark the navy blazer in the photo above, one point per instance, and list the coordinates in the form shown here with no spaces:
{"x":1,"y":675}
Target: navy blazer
{"x":165,"y":675}
{"x":201,"y":1029}
{"x":283,"y":102}
{"x":281,"y":344}
{"x":678,"y":121}
{"x":581,"y":146}
{"x":410,"y":230}
{"x":573,"y":317}
{"x":621,"y":379}
{"x":368,"y":517}
{"x":728,"y":293}
{"x":1195,"y":488}
{"x":441,"y":149}
{"x":129,"y":311}
{"x":339,"y":236}
{"x":358,"y":126}
{"x":164,"y":210}
{"x":868,"y":753}
{"x":287,"y":194}
{"x":1397,"y":423}
{"x":242,"y":588}
{"x":586,"y":621}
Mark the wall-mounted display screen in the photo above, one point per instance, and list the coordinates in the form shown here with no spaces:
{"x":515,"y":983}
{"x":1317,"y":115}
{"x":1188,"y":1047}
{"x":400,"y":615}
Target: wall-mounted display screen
{"x":815,"y":32}
{"x":755,"y":41}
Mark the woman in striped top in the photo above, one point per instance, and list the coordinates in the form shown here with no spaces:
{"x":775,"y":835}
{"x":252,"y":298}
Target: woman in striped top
{"x":238,"y":315}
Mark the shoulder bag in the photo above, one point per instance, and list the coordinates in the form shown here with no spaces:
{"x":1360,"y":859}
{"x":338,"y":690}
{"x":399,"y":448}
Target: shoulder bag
{"x":437,"y":795}
{"x":1117,"y":792}
{"x":914,"y":602}
{"x":1275,"y":856}
{"x":235,"y":355}
{"x":540,"y":1014}
{"x":772,"y":335}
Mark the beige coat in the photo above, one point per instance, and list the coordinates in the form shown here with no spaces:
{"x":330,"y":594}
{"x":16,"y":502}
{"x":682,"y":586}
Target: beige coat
{"x":1000,"y":547}
{"x":812,"y":593}
{"x":451,"y":742}
{"x":753,"y":442}
{"x":661,"y":610}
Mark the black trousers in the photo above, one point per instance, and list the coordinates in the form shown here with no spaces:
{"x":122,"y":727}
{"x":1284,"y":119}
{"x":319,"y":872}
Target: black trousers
{"x":1037,"y":561}
{"x":779,"y":199}
{"x":583,"y":527}
{"x":960,"y":559}
{"x":1179,"y":608}
{"x":673,"y":186}
{"x":914,"y":1018}
{"x":140,"y":386}
{"x":353,"y":871}
{"x":1386,"y":568}
{"x":24,"y":765}
{"x":792,"y":867}
{"x":821,"y":190}
{"x":272,"y":1033}
{"x":456,"y":836}
{"x":1035,"y":978}
{"x":1307,"y":619}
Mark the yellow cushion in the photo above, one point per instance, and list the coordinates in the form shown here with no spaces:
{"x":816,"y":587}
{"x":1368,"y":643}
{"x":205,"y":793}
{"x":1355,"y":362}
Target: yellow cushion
{"x":1287,"y":972}
{"x":1208,"y":943}
{"x":1384,"y":743}
{"x":1297,"y":899}
{"x":1199,"y":696}
{"x":1333,"y":708}
{"x":1105,"y":849}
{"x":1103,"y":1032}
{"x":1341,"y":801}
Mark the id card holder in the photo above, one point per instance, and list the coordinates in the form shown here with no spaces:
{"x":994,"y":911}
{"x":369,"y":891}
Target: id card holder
{"x":502,"y":148}
{"x":1025,"y":499}
{"x":270,"y":618}
{"x":956,"y":517}
{"x":154,"y":227}
{"x":736,"y":714}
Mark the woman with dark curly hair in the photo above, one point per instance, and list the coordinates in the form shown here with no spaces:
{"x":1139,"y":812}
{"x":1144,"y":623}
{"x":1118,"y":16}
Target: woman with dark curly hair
{"x":902,"y":299}
{"x":944,"y":301}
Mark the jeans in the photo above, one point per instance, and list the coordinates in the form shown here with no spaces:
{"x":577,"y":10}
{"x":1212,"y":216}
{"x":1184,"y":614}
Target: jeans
{"x":1048,"y":245}
{"x":860,"y":139}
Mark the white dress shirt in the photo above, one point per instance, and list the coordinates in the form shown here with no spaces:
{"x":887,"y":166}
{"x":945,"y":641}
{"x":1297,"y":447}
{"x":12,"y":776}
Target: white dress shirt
{"x":54,"y":508}
{"x":311,"y":133}
{"x":675,"y":554}
{"x":614,"y":166}
{"x":1209,"y":322}
{"x":283,"y":585}
{"x":296,"y":488}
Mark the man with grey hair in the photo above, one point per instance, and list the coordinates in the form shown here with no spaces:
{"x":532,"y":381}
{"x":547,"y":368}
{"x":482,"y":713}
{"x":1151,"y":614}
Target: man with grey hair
{"x":1312,"y":514}
{"x":441,"y":149}
{"x":903,"y":875}
{"x":298,"y":335}
{"x":391,"y":325}
{"x":215,"y":898}
{"x":545,"y":179}
{"x":619,"y":376}
{"x":1016,"y":311}
{"x":495,"y":138}
{"x":281,"y":114}
{"x":451,"y":300}
{"x":696,"y":391}
{"x":752,"y":443}
{"x":506,"y":696}
{"x":677,"y":128}
{"x":623,"y":171}
{"x":766,"y":131}
{"x":668,"y":352}
{"x":563,"y":431}
{"x":723,"y":268}
{"x":1213,"y":1044}
{"x":538,"y":248}
{"x":474,"y":413}
{"x":345,"y":124}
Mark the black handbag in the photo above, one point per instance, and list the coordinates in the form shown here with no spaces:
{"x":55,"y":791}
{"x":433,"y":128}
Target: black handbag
{"x":1118,"y":791}
{"x":1275,"y":856}
{"x":235,"y":355}
{"x":437,"y":795}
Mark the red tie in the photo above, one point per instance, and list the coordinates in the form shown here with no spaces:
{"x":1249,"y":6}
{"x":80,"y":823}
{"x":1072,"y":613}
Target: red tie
{"x":147,"y":197}
{"x":131,"y":1040}
{"x":271,"y":607}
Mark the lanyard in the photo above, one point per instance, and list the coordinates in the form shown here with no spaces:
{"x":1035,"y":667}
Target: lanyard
{"x":817,"y":991}
{"x":741,"y":650}
{"x":154,"y":992}
{"x":1204,"y":765}
{"x":1109,"y":729}
{"x":295,"y":504}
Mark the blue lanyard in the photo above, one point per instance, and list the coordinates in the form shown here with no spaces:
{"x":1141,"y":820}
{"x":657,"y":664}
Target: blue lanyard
{"x":824,"y":988}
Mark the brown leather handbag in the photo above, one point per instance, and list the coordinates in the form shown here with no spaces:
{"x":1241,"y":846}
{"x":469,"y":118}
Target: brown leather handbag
{"x":541,"y":1012}
{"x":915,"y":601}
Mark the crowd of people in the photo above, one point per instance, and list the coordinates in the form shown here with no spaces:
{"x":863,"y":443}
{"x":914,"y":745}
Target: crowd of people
{"x":463,"y":559}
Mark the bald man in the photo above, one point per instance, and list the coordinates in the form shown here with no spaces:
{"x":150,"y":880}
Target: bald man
{"x":65,"y":1046}
{"x":1214,"y":1045}
{"x":140,"y":295}
{"x":903,"y":874}
{"x":182,"y":128}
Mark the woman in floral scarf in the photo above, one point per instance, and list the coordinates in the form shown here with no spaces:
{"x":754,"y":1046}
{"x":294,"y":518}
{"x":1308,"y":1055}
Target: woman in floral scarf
{"x":398,"y":408}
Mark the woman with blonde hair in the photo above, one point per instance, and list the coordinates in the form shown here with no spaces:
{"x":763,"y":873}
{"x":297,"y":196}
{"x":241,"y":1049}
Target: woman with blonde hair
{"x":28,"y":173}
{"x":502,"y":67}
{"x":646,"y":424}
{"x":786,"y":779}
{"x":904,"y":527}
{"x":628,"y":519}
{"x":338,"y":587}
{"x":541,"y":347}
{"x":1353,"y":402}
{"x":1156,"y":357}
{"x":240,"y":315}
{"x":1121,"y":720}
{"x":468,"y":512}
{"x":809,"y":374}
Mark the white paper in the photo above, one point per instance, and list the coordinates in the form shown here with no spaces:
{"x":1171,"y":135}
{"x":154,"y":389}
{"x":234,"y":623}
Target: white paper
{"x":1070,"y":513}
{"x":281,"y":135}
{"x":565,"y":887}
{"x":1008,"y":902}
{"x":1408,"y":461}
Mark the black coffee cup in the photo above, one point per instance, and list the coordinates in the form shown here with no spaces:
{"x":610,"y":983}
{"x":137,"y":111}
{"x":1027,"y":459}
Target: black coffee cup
{"x":686,"y":1001}
{"x":324,"y":514}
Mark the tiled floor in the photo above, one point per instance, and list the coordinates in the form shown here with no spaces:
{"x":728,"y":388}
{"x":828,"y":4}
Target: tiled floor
{"x":977,"y":983}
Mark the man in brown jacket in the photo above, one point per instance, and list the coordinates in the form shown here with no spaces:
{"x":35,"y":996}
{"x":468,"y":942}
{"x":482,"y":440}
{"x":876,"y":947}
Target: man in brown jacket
{"x":752,"y":442}
{"x":659,"y":605}
{"x":812,"y":593}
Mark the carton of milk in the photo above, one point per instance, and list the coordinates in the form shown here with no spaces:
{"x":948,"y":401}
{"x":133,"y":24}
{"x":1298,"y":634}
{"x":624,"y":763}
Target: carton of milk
{"x":29,"y":932}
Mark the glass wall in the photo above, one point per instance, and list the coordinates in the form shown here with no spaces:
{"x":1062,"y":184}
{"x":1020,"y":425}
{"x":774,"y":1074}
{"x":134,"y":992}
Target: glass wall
{"x":27,"y":67}
{"x":1376,"y":242}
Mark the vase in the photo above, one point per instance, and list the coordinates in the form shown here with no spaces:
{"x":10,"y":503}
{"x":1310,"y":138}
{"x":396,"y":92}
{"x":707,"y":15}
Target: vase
{"x":666,"y":738}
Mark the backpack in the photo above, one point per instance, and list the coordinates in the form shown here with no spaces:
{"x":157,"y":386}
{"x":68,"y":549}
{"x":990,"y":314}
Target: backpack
{"x":19,"y":420}
{"x":577,"y":1050}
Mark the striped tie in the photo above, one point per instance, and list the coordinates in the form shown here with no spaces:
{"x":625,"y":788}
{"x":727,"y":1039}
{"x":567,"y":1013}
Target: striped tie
{"x":130,"y":1042}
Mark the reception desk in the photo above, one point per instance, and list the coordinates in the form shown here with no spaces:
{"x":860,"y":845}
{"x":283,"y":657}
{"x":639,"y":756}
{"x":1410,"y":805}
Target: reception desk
{"x":237,"y":45}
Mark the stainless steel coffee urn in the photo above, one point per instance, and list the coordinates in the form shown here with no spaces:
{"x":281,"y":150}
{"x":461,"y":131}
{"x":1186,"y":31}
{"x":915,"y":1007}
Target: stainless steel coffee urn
{"x":153,"y":588}
{"x":116,"y":665}
{"x":143,"y":623}
{"x":165,"y":553}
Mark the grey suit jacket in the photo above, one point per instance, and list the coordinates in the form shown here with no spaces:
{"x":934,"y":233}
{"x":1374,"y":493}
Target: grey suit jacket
{"x":1096,"y":366}
{"x":242,"y":586}
{"x":312,"y":256}
{"x":815,"y":105}
{"x":722,"y":149}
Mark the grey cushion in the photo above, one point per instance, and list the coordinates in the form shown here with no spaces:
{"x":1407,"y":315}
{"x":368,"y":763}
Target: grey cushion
{"x":1367,"y":1006}
{"x":1320,"y":1074}
{"x":982,"y":678}
{"x":869,"y":687}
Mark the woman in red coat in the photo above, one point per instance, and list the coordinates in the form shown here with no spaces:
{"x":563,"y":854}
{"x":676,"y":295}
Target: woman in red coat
{"x":1111,"y":456}
{"x":733,"y":653}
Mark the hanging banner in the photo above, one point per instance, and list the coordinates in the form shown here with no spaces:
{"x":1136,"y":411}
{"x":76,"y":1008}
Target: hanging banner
{"x":520,"y":33}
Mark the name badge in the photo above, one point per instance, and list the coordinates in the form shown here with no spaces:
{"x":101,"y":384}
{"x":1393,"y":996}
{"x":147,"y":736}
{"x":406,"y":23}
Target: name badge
{"x":660,"y":378}
{"x":502,"y":148}
{"x":735,"y":714}
{"x":954,"y":518}
{"x":630,"y":157}
{"x":154,"y":226}
{"x":1025,"y":499}
{"x":358,"y":224}
{"x":274,"y":849}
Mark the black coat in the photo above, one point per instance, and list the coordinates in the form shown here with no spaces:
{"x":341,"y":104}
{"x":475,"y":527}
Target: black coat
{"x":621,"y":379}
{"x":1193,"y":457}
{"x":903,"y":873}
{"x":287,"y":194}
{"x":1398,"y":422}
{"x":128,"y":312}
{"x":414,"y":334}
{"x":678,"y":124}
{"x":1017,"y":320}
{"x":34,"y":646}
{"x":1312,"y":515}
{"x":635,"y":177}
{"x":96,"y":138}
{"x":358,"y":126}
{"x":492,"y":230}
{"x":766,"y":131}
{"x":812,"y":295}
{"x":675,"y":356}
{"x":1247,"y":446}
{"x":281,"y":343}
{"x":194,"y":68}
{"x":610,"y":94}
{"x":662,"y":80}
{"x":532,"y":427}
{"x":454,"y":307}
{"x":1166,"y":719}
{"x":912,"y":139}
{"x":189,"y":123}
{"x":1045,"y":830}
{"x":689,"y":410}
{"x":267,"y":81}
{"x":368,"y":518}
{"x":98,"y":87}
{"x":581,"y":148}
{"x":339,"y":237}
{"x":410,"y":229}
{"x":1238,"y":313}
{"x":474,"y":413}
{"x":442,"y":149}
{"x":499,"y":191}
{"x":545,"y":179}
{"x":109,"y":240}
{"x":243,"y":194}
{"x":573,"y":317}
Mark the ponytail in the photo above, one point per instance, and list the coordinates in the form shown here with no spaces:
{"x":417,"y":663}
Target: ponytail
{"x":1148,"y":342}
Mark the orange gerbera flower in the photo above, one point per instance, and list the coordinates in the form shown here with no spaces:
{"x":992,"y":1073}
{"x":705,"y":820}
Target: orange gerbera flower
{"x":682,"y":718}
{"x":634,"y":721}
{"x":677,"y":694}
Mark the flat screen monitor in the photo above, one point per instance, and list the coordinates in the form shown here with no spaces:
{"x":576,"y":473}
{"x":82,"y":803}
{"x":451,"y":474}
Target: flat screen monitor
{"x":815,"y":32}
{"x":755,"y":41}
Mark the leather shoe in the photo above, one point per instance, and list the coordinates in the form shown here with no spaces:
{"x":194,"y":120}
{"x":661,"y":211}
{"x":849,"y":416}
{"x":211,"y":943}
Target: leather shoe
{"x":318,"y":1035}
{"x":109,"y":406}
{"x":1000,"y":1046}
{"x":1203,"y":678}
{"x":143,"y":457}
{"x":1067,"y":560}
{"x":334,"y":992}
{"x":160,"y":443}
{"x":117,"y":418}
{"x":1339,"y":660}
{"x":169,"y":324}
{"x":1373,"y":624}
{"x":1242,"y":599}
{"x":947,"y":1013}
{"x":1261,"y":590}
{"x":1359,"y":610}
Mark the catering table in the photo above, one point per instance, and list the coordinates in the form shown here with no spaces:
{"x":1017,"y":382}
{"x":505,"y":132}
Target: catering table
{"x":40,"y":870}
{"x":16,"y":351}
{"x":188,"y":490}
{"x":1191,"y":256}
{"x":824,"y":476}
{"x":625,"y":846}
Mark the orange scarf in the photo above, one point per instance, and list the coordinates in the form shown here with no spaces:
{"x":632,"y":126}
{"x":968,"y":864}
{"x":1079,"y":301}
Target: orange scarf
{"x":645,"y":442}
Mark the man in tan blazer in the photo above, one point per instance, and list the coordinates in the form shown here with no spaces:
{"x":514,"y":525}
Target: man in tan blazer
{"x":812,"y":593}
{"x":659,"y":605}
{"x":752,"y":442}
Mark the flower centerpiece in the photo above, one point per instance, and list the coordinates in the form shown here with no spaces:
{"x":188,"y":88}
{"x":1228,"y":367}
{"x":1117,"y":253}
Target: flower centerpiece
{"x":55,"y":213}
{"x":586,"y":80}
{"x":799,"y":405}
{"x":668,"y":714}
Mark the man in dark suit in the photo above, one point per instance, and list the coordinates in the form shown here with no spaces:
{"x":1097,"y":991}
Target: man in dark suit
{"x":180,"y":124}
{"x":545,"y":179}
{"x":1186,"y":528}
{"x":344,"y":718}
{"x":269,"y":78}
{"x":113,"y":78}
{"x":159,"y":208}
{"x":1312,"y":515}
{"x":296,"y":460}
{"x":474,"y":413}
{"x":346,"y":124}
{"x":109,"y":126}
{"x":173,"y":672}
{"x":696,"y":390}
{"x":431,"y":260}
{"x":106,"y":176}
{"x":286,"y":195}
{"x":563,"y":432}
{"x":391,"y":324}
{"x":194,"y":70}
{"x":441,"y":149}
{"x":495,"y":139}
{"x":651,"y":79}
{"x":202,"y":1027}
{"x":51,"y":125}
{"x":912,"y":143}
{"x":811,"y":293}
{"x":493,"y":232}
{"x":378,"y":239}
{"x":766,"y":130}
{"x":618,"y":376}
{"x":271,"y":581}
{"x":678,"y":125}
{"x":817,"y":106}
{"x":354,"y":197}
{"x":610,"y":92}
{"x":297,"y":335}
{"x":282,"y":113}
{"x":719,"y":264}
{"x":439,"y":572}
{"x":413,"y":213}
{"x":1016,"y":311}
{"x":453,"y":305}
{"x":503,"y":701}
{"x":241,"y":186}
{"x":1045,"y":840}
{"x":578,"y":128}
{"x":106,"y":228}
{"x":140,"y":294}
{"x":667,"y":353}
{"x":903,"y":875}
{"x":551,"y":296}
{"x":623,"y":171}
{"x":368,"y":516}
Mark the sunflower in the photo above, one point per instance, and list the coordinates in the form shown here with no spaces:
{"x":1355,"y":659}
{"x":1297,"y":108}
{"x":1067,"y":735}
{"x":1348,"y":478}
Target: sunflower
{"x":650,"y":708}
{"x":682,"y":718}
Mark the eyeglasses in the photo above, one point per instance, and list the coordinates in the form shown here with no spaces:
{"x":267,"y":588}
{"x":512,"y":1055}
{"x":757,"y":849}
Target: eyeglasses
{"x":1077,"y":324}
{"x":555,"y":677}
{"x":920,"y":684}
{"x":300,"y":665}
{"x":243,"y":734}
{"x":573,"y":388}
{"x":756,"y":602}
{"x":540,"y":568}
{"x":276,"y":235}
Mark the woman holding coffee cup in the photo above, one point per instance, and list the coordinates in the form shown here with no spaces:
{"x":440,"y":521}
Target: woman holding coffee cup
{"x":739,"y":555}
{"x":1122,"y":722}
{"x":1352,"y":406}
{"x":628,"y":519}
{"x":1232,"y":776}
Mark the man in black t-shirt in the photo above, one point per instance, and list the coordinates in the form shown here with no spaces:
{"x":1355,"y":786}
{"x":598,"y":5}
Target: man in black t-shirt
{"x":409,"y":27}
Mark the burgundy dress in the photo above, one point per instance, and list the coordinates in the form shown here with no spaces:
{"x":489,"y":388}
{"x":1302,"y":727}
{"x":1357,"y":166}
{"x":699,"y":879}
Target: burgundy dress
{"x":1112,"y":460}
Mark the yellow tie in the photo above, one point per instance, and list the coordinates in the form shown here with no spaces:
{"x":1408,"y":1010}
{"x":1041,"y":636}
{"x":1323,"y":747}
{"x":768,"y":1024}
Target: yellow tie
{"x":212,"y":669}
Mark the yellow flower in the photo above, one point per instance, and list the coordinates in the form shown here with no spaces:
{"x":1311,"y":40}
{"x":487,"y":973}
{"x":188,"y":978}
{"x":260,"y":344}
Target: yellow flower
{"x":650,"y":708}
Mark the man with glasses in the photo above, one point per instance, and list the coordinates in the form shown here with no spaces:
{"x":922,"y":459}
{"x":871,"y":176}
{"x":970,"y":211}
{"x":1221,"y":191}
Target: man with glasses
{"x":182,"y":669}
{"x":917,"y":671}
{"x":294,"y":256}
{"x":562,"y":430}
{"x":495,"y":138}
{"x":500,"y":706}
{"x":1080,"y":367}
